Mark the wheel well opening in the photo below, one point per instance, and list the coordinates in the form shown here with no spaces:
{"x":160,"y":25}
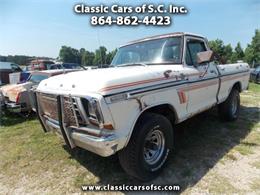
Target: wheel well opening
{"x":237,"y":86}
{"x":165,"y":110}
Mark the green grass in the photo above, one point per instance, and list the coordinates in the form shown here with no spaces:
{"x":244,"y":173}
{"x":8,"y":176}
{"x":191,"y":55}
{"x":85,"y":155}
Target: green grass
{"x":254,"y":87}
{"x":202,"y":142}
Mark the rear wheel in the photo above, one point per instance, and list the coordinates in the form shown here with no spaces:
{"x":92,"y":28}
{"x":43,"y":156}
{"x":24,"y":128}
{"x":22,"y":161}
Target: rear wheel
{"x":148,"y":148}
{"x":229,"y":109}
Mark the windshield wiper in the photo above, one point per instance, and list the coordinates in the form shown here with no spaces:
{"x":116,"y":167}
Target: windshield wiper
{"x":132,"y":64}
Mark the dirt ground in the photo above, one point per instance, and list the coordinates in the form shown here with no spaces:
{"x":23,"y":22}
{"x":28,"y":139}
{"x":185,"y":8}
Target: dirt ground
{"x":211,"y":157}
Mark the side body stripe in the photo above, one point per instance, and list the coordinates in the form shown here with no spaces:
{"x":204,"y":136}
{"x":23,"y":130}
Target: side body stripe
{"x":194,"y":84}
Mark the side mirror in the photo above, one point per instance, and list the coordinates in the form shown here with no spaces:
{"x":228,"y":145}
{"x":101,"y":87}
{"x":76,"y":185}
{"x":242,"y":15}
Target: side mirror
{"x":205,"y":57}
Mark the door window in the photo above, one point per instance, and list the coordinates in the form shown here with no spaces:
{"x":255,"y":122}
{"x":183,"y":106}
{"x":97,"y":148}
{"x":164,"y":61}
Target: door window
{"x":193,"y":47}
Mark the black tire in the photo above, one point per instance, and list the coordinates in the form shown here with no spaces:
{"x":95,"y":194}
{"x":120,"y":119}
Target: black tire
{"x":132,"y":157}
{"x":229,"y":109}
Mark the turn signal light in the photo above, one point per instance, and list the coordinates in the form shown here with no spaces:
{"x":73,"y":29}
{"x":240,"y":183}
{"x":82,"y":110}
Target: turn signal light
{"x":18,"y":98}
{"x":108,"y":126}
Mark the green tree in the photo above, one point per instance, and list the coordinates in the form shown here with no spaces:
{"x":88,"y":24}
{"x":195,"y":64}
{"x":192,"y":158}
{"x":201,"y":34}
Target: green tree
{"x":20,"y":59}
{"x":110,"y":56}
{"x":238,"y":54}
{"x":228,"y":52}
{"x":252,"y":52}
{"x":218,"y":47}
{"x":69,"y":54}
{"x":88,"y":58}
{"x":239,"y":51}
{"x":249,"y":55}
{"x":100,"y":56}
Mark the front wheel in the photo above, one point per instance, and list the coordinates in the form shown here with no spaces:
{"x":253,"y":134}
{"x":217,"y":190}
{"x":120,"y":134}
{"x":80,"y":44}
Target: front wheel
{"x":148,"y":148}
{"x":229,"y":109}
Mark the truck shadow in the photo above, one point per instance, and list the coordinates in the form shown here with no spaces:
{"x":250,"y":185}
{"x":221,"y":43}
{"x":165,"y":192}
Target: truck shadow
{"x":200,"y":143}
{"x":11,"y":119}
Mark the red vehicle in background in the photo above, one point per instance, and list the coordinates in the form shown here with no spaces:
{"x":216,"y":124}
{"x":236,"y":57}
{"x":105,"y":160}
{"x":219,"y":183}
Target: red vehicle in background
{"x":40,"y":64}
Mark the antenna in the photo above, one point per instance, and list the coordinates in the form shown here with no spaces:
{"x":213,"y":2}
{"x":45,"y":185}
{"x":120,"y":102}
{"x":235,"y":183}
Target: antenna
{"x":99,"y":47}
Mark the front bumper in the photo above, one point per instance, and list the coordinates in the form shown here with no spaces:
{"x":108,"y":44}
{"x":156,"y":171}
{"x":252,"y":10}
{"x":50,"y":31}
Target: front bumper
{"x":13,"y":107}
{"x":105,"y":145}
{"x":88,"y":137}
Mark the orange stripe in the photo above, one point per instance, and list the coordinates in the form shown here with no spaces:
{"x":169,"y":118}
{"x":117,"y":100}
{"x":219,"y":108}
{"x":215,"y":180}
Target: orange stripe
{"x":142,"y":82}
{"x":209,"y":83}
{"x":132,"y":84}
{"x":184,"y":97}
{"x":113,"y":87}
{"x":180,"y":97}
{"x":199,"y":85}
{"x":233,"y":77}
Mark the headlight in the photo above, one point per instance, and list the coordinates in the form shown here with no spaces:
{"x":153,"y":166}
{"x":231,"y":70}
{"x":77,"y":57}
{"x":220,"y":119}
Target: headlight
{"x":93,"y":111}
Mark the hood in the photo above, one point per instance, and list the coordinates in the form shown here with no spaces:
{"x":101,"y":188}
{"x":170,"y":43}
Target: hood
{"x":107,"y":81}
{"x":11,"y":91}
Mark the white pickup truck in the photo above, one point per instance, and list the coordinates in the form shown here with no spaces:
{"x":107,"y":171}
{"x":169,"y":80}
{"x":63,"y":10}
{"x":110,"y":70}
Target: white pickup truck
{"x":131,"y":108}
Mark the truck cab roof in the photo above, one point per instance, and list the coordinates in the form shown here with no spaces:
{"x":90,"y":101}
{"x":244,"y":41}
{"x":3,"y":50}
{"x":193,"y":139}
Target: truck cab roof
{"x":175,"y":34}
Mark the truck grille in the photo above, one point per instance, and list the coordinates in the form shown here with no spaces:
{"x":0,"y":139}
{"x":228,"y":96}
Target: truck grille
{"x":69,"y":118}
{"x":71,"y":107}
{"x":48,"y":106}
{"x":72,"y":114}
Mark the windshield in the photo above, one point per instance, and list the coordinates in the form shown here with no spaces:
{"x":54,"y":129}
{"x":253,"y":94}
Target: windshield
{"x":166,"y":50}
{"x":36,"y":78}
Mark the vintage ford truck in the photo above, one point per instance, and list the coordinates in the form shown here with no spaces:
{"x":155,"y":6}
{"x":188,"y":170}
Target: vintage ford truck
{"x":131,"y":108}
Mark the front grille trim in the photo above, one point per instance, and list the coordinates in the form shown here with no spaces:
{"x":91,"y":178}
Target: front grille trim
{"x":72,"y":109}
{"x":73,"y":112}
{"x":48,"y":105}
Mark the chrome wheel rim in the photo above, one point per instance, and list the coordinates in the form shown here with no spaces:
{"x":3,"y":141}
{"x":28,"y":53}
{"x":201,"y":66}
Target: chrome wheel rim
{"x":154,"y":147}
{"x":234,"y":106}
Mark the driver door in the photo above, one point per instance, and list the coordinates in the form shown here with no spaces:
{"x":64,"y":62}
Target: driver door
{"x":203,"y":82}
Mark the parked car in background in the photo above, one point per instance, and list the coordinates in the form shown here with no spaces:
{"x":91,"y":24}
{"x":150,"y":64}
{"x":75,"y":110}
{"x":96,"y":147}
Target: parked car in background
{"x":19,"y":77}
{"x":5,"y":69}
{"x":19,"y":97}
{"x":40,"y":64}
{"x":65,"y":66}
{"x":255,"y":75}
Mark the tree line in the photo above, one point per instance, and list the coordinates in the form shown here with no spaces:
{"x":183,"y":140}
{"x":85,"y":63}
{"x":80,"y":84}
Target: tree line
{"x":86,"y":58}
{"x":20,"y":59}
{"x":101,"y":56}
{"x":251,"y":54}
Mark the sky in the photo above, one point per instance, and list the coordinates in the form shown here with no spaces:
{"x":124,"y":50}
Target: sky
{"x":41,"y":27}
